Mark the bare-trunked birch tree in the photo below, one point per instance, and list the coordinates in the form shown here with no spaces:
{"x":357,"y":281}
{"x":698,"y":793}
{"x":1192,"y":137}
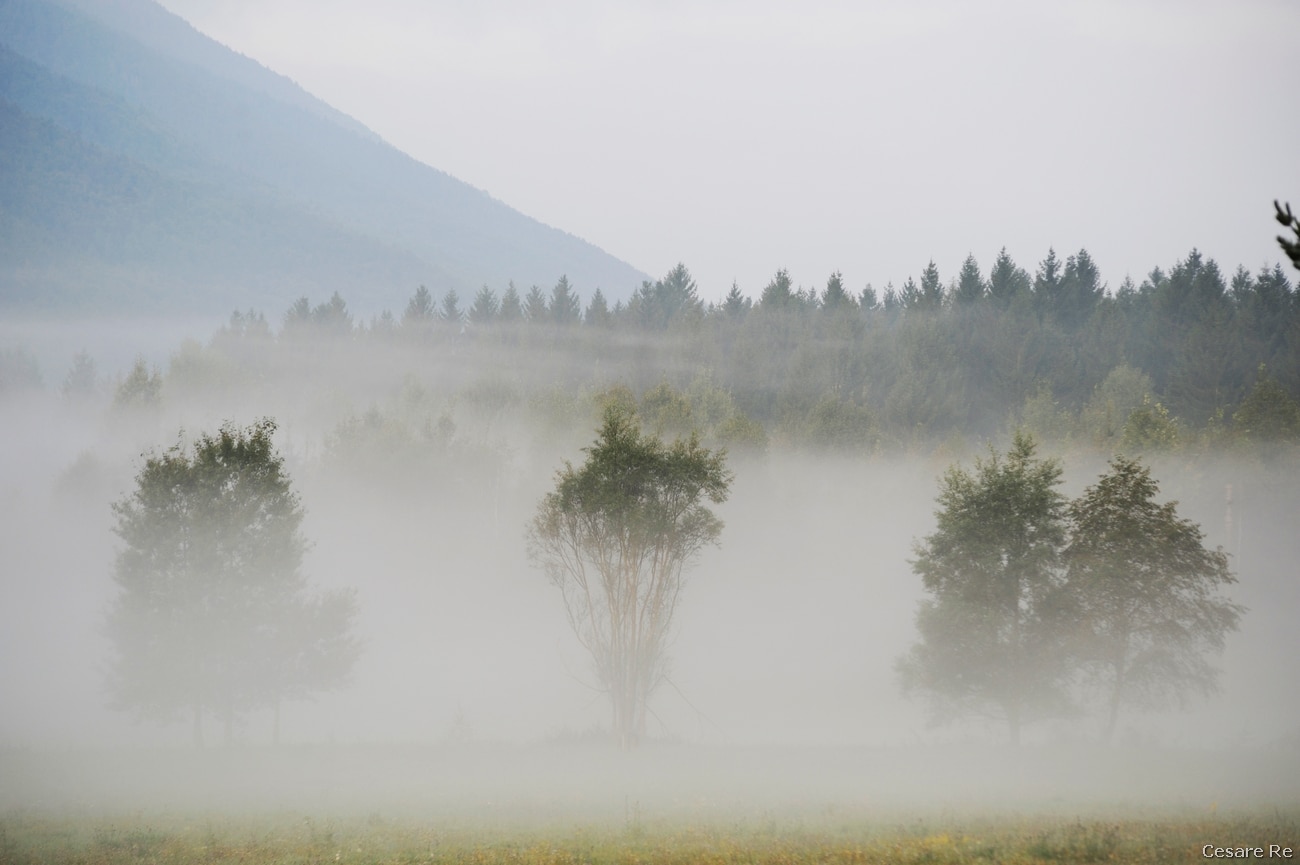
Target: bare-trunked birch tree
{"x":615,"y":536}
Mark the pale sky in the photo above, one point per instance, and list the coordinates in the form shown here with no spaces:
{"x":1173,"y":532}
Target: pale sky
{"x":869,"y":138}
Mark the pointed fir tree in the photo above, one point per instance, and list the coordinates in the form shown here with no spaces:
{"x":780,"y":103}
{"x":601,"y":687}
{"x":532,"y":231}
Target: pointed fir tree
{"x":598,"y":314}
{"x":777,"y":294}
{"x":565,"y":308}
{"x":931,"y":290}
{"x":970,"y":283}
{"x":535,"y":310}
{"x":735,"y":305}
{"x":834,"y":297}
{"x":1007,"y":282}
{"x":512,"y":308}
{"x":485,"y":308}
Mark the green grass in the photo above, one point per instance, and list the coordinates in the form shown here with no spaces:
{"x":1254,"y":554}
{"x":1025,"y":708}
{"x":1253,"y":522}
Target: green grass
{"x":826,"y":838}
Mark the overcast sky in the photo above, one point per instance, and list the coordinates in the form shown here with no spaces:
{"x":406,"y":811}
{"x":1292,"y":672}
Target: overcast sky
{"x":869,"y":138}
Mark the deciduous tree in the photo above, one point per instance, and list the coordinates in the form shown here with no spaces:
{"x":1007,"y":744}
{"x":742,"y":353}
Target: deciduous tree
{"x":991,"y":630}
{"x":212,"y":613}
{"x":1147,"y":593}
{"x":615,"y":537}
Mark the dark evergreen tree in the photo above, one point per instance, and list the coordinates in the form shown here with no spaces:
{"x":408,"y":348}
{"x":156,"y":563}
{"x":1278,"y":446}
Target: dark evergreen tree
{"x":1080,"y":292}
{"x":778,"y":295}
{"x":1007,"y":282}
{"x":1047,"y":286}
{"x":485,"y":308}
{"x":835,"y":299}
{"x":565,"y":308}
{"x":598,"y":314}
{"x":970,"y":284}
{"x":535,"y":309}
{"x":867,"y":301}
{"x":735,"y":305}
{"x":420,"y":309}
{"x":512,"y":308}
{"x":931,"y":291}
{"x":451,"y":314}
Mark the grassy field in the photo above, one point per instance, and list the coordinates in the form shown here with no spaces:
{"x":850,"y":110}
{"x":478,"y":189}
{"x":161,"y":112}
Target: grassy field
{"x":678,"y":804}
{"x":826,"y":838}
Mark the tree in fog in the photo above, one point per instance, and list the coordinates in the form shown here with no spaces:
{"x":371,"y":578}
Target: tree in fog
{"x":451,"y":312}
{"x":565,"y":307}
{"x":1146,"y":593}
{"x":82,"y":380}
{"x":535,"y":309}
{"x":614,"y":537}
{"x":1268,"y":414}
{"x":142,"y":388}
{"x":512,"y":307}
{"x":485,"y":308}
{"x":992,"y":629}
{"x":212,"y":613}
{"x":598,"y":314}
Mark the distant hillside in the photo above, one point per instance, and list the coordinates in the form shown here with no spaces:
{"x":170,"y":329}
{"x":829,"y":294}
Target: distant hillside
{"x":146,"y":167}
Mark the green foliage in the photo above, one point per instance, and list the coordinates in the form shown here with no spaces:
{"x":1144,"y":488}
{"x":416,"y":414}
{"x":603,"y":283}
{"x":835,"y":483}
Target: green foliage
{"x":990,"y":630}
{"x":485,"y":308}
{"x":451,"y":313}
{"x":420,"y":310}
{"x":615,"y":537}
{"x":565,"y":308}
{"x":1149,"y":427}
{"x":1042,"y":416}
{"x":1146,"y":592}
{"x":667,"y":412}
{"x":672,"y":300}
{"x":598,"y":314}
{"x":840,"y":426}
{"x":970,"y":284}
{"x":142,"y":388}
{"x":778,"y":294}
{"x":1008,"y":284}
{"x":212,"y":611}
{"x":1268,"y":413}
{"x":512,"y":308}
{"x":535,"y":309}
{"x":1123,"y":391}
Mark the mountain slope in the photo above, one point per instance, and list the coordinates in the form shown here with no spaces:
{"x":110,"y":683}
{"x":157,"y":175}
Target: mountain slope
{"x":253,"y":186}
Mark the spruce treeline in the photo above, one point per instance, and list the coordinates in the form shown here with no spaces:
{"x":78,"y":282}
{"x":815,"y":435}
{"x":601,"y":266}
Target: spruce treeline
{"x":1173,"y":359}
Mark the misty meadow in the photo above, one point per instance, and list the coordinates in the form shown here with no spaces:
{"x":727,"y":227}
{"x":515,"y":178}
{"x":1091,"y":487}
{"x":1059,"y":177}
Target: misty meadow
{"x":347,"y":514}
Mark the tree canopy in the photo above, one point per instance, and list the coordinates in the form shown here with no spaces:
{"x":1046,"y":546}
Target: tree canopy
{"x":1036,"y":603}
{"x":1146,"y":592}
{"x":615,"y":536}
{"x":212,"y":613}
{"x":989,"y":628}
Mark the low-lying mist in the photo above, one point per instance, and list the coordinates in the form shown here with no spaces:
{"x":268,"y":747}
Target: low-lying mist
{"x":418,"y":474}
